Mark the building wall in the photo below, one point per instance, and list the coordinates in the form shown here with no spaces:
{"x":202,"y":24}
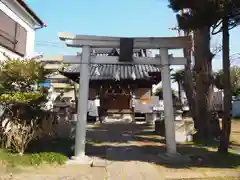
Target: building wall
{"x":57,"y":81}
{"x":120,"y":102}
{"x":8,"y":53}
{"x":10,"y":8}
{"x":92,"y":93}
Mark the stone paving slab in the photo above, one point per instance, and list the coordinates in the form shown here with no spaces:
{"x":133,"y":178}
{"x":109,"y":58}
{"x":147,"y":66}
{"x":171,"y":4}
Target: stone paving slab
{"x":132,"y":170}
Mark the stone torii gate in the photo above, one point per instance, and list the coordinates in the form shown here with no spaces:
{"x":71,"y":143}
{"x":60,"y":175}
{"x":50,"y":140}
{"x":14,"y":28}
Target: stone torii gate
{"x":91,"y":43}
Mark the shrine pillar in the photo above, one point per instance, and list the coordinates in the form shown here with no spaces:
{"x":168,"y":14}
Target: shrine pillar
{"x":81,"y":126}
{"x":168,"y":103}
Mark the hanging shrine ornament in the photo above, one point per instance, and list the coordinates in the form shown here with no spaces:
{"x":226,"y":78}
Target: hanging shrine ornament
{"x":133,"y":75}
{"x":117,"y":75}
{"x":97,"y":73}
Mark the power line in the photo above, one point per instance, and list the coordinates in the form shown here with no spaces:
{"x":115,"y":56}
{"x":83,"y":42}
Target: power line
{"x":50,"y":45}
{"x":50,"y":42}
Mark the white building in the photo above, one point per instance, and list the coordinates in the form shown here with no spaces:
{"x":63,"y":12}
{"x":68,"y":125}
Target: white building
{"x":60,"y":83}
{"x":18,"y":24}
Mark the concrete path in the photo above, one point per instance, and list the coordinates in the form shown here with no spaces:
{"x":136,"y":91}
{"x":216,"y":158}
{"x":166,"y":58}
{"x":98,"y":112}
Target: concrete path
{"x":123,"y":160}
{"x":124,"y":169}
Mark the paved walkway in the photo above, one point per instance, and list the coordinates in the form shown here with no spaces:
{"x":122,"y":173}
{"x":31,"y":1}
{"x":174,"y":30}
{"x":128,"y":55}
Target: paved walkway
{"x":121,"y":152}
{"x":123,"y":156}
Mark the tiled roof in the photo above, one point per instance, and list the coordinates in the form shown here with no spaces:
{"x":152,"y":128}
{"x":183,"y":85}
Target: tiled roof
{"x":109,"y":71}
{"x":114,"y":71}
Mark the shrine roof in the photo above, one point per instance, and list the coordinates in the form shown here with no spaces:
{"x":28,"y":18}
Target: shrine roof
{"x":109,"y":71}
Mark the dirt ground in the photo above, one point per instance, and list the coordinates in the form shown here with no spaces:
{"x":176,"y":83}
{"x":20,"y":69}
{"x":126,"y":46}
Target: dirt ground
{"x":130,"y":151}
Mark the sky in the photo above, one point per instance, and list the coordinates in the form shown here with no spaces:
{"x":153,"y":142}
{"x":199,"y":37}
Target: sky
{"x":130,"y":18}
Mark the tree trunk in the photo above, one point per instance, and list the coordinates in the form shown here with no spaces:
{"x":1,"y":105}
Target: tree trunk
{"x":198,"y":98}
{"x":226,"y":121}
{"x":203,"y":68}
{"x":189,"y":86}
{"x":179,"y":93}
{"x":188,"y":83}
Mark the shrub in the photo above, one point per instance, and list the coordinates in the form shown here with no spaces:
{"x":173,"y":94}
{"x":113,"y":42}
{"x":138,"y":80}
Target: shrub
{"x":22,"y":123}
{"x":20,"y":134}
{"x":21,"y":112}
{"x":21,"y":119}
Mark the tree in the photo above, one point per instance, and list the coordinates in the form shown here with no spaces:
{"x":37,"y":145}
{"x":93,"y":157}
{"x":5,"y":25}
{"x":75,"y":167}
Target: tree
{"x":199,"y":105}
{"x":159,"y":93}
{"x":22,"y":114}
{"x":235,"y":80}
{"x":178,"y":77}
{"x":203,"y":15}
{"x":20,"y":74}
{"x":228,"y":15}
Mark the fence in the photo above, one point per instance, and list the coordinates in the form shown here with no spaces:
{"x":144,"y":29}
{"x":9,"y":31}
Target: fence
{"x":236,"y":108}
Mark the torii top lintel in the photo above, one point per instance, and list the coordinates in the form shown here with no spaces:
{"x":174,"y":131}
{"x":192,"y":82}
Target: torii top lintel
{"x":72,"y":40}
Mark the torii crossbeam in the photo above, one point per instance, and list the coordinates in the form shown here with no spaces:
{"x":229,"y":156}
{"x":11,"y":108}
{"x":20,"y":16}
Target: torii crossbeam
{"x":89,"y":43}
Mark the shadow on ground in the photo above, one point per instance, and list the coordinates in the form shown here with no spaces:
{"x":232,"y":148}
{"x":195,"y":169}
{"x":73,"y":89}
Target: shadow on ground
{"x":200,"y":157}
{"x":57,"y":145}
{"x":136,"y":142}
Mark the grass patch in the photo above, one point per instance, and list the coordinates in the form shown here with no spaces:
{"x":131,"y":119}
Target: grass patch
{"x":14,"y":159}
{"x":211,"y":156}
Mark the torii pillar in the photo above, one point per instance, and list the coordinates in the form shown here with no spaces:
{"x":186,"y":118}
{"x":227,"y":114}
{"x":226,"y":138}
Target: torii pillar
{"x":80,"y":138}
{"x":165,"y":60}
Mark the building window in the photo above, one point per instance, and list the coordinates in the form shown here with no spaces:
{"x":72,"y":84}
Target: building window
{"x":12,"y":35}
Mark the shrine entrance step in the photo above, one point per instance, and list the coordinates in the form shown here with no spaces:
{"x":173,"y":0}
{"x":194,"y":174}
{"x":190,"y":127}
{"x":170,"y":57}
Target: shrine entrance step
{"x":122,"y":118}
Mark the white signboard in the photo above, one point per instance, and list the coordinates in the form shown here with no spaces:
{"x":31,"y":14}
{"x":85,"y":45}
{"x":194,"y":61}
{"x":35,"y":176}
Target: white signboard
{"x":92,"y":108}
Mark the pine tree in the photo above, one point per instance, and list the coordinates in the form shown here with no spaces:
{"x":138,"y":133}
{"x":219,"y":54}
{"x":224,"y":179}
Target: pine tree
{"x":220,"y":16}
